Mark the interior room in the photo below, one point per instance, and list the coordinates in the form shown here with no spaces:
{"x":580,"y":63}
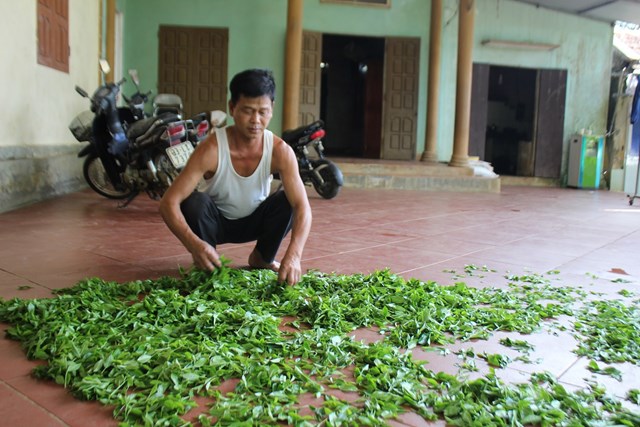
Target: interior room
{"x":510,"y":120}
{"x":351,"y":95}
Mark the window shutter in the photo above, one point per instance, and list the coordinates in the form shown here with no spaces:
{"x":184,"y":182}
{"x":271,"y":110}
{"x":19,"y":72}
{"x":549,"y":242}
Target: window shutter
{"x":53,"y":34}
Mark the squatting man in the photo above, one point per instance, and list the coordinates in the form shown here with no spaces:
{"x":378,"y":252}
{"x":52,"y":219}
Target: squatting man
{"x":235,"y":204}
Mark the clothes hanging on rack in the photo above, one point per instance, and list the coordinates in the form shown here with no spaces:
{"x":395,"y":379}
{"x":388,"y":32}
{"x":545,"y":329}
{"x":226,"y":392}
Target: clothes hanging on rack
{"x":634,"y":147}
{"x":635,"y":108}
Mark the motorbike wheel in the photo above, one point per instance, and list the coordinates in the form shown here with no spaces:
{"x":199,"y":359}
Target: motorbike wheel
{"x":330,"y":184}
{"x":97,"y":178}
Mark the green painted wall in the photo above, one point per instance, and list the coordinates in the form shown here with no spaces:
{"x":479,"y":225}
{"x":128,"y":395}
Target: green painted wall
{"x":585,"y":51}
{"x":256,"y":34}
{"x":257,"y":31}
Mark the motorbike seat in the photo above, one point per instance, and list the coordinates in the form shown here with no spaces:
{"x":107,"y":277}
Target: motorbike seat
{"x":292,"y":135}
{"x":142,"y":126}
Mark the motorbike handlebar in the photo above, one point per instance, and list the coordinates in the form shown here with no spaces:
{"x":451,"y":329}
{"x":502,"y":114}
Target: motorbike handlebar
{"x":120,"y":143}
{"x":82,"y":92}
{"x":140,"y":95}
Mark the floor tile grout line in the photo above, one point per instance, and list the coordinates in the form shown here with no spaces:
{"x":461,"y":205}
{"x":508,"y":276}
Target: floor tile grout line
{"x":22,"y":278}
{"x":590,"y":252}
{"x":438,"y":262}
{"x":416,"y":268}
{"x":575,"y":362}
{"x":346,"y":252}
{"x":26,"y":397}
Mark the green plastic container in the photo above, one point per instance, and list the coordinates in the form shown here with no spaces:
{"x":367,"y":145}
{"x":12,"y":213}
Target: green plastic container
{"x":586,"y":155}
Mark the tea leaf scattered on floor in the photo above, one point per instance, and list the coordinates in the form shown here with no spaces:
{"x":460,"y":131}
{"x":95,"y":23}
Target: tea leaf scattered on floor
{"x":149,"y":348}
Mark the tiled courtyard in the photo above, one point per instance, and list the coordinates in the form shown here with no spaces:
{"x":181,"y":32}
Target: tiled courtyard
{"x":587,"y":238}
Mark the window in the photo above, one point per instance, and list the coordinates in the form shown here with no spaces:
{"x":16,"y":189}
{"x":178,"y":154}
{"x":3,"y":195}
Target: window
{"x":53,"y":34}
{"x":384,"y":3}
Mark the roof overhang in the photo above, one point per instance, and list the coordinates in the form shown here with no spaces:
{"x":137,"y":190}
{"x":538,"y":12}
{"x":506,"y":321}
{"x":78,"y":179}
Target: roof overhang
{"x":602,"y":10}
{"x":625,"y":50}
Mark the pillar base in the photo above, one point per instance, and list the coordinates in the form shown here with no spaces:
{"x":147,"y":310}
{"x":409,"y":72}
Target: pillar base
{"x":429,"y":157}
{"x":459,"y":161}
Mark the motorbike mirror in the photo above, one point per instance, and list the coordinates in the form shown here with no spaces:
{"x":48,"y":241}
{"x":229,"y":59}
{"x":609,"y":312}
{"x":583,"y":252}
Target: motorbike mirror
{"x":104,"y":66}
{"x":134,"y":76}
{"x":82,"y":92}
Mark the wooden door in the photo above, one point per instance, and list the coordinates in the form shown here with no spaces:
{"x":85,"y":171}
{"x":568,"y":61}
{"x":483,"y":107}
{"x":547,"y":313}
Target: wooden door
{"x":309,"y":107}
{"x":549,"y":127}
{"x":479,"y":106}
{"x":193,"y":65}
{"x":400,"y":110}
{"x":372,"y":132}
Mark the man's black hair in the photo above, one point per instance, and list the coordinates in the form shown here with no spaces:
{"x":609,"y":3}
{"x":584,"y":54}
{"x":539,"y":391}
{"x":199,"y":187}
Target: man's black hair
{"x":253,"y":83}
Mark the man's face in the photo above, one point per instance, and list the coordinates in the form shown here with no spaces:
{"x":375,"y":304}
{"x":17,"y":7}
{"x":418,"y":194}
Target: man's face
{"x":251,"y":115}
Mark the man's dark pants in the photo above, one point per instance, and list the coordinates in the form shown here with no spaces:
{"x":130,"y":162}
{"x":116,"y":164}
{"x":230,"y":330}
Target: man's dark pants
{"x":268,"y":224}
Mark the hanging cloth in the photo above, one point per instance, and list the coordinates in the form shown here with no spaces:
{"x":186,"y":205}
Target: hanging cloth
{"x":635,"y":108}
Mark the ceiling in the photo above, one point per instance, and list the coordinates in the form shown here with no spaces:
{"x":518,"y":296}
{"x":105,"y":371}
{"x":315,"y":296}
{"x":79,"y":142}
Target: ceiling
{"x":603,"y":10}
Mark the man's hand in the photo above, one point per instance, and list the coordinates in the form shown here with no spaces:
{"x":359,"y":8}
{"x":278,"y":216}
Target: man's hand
{"x":290,"y":271}
{"x":285,"y":163}
{"x":205,"y":256}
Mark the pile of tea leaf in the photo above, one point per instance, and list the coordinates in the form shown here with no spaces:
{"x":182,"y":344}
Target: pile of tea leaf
{"x":149,"y":348}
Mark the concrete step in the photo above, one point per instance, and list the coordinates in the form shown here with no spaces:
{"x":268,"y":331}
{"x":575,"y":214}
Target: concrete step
{"x":413,"y":175}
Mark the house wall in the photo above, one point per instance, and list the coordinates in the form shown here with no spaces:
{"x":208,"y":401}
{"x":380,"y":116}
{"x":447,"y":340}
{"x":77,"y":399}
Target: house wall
{"x":37,"y":151}
{"x":257,"y":30}
{"x":585,"y":51}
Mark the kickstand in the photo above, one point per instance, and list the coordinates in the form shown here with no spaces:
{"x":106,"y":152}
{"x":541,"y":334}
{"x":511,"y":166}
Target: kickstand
{"x":128,"y":200}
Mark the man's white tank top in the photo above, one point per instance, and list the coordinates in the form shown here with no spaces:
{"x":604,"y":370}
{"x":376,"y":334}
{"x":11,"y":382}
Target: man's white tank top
{"x":238,"y":196}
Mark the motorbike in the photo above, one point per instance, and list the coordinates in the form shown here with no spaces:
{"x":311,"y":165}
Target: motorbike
{"x":138,"y":100}
{"x":318,"y":171}
{"x":126,"y":155}
{"x":198,"y":126}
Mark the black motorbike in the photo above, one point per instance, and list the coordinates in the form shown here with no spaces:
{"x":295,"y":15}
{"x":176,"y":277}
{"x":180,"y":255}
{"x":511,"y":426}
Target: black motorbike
{"x":127,"y":155}
{"x":197,"y":126}
{"x":138,"y":100}
{"x":315,"y":169}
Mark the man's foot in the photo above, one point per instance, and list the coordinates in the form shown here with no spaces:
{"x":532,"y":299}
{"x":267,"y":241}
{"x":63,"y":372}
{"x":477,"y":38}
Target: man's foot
{"x":256,"y":261}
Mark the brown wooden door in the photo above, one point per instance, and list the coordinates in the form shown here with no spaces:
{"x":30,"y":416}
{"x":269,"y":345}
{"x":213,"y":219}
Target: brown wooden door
{"x":549,"y":127}
{"x":400,"y":110}
{"x":372,"y":132}
{"x":309,"y":108}
{"x":193,"y":65}
{"x":479,"y":105}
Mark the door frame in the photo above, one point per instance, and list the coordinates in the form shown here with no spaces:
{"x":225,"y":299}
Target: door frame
{"x":547,"y":132}
{"x":394,"y":81}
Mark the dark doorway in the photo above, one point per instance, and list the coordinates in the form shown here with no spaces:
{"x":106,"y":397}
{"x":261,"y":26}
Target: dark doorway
{"x":517,"y":119}
{"x":351,"y":94}
{"x":510,"y":120}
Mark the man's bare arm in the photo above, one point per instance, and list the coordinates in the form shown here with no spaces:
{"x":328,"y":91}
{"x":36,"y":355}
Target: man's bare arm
{"x":201,"y":161}
{"x":286,"y":164}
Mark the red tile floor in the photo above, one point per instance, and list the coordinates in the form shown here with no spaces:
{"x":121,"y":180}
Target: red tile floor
{"x":591,"y":237}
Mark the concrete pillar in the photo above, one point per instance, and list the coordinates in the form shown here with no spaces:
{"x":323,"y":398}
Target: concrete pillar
{"x":293,"y":58}
{"x":466,"y":17}
{"x":430,"y":153}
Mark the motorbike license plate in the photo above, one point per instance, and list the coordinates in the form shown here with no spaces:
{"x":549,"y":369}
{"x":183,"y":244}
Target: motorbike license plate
{"x":179,"y":154}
